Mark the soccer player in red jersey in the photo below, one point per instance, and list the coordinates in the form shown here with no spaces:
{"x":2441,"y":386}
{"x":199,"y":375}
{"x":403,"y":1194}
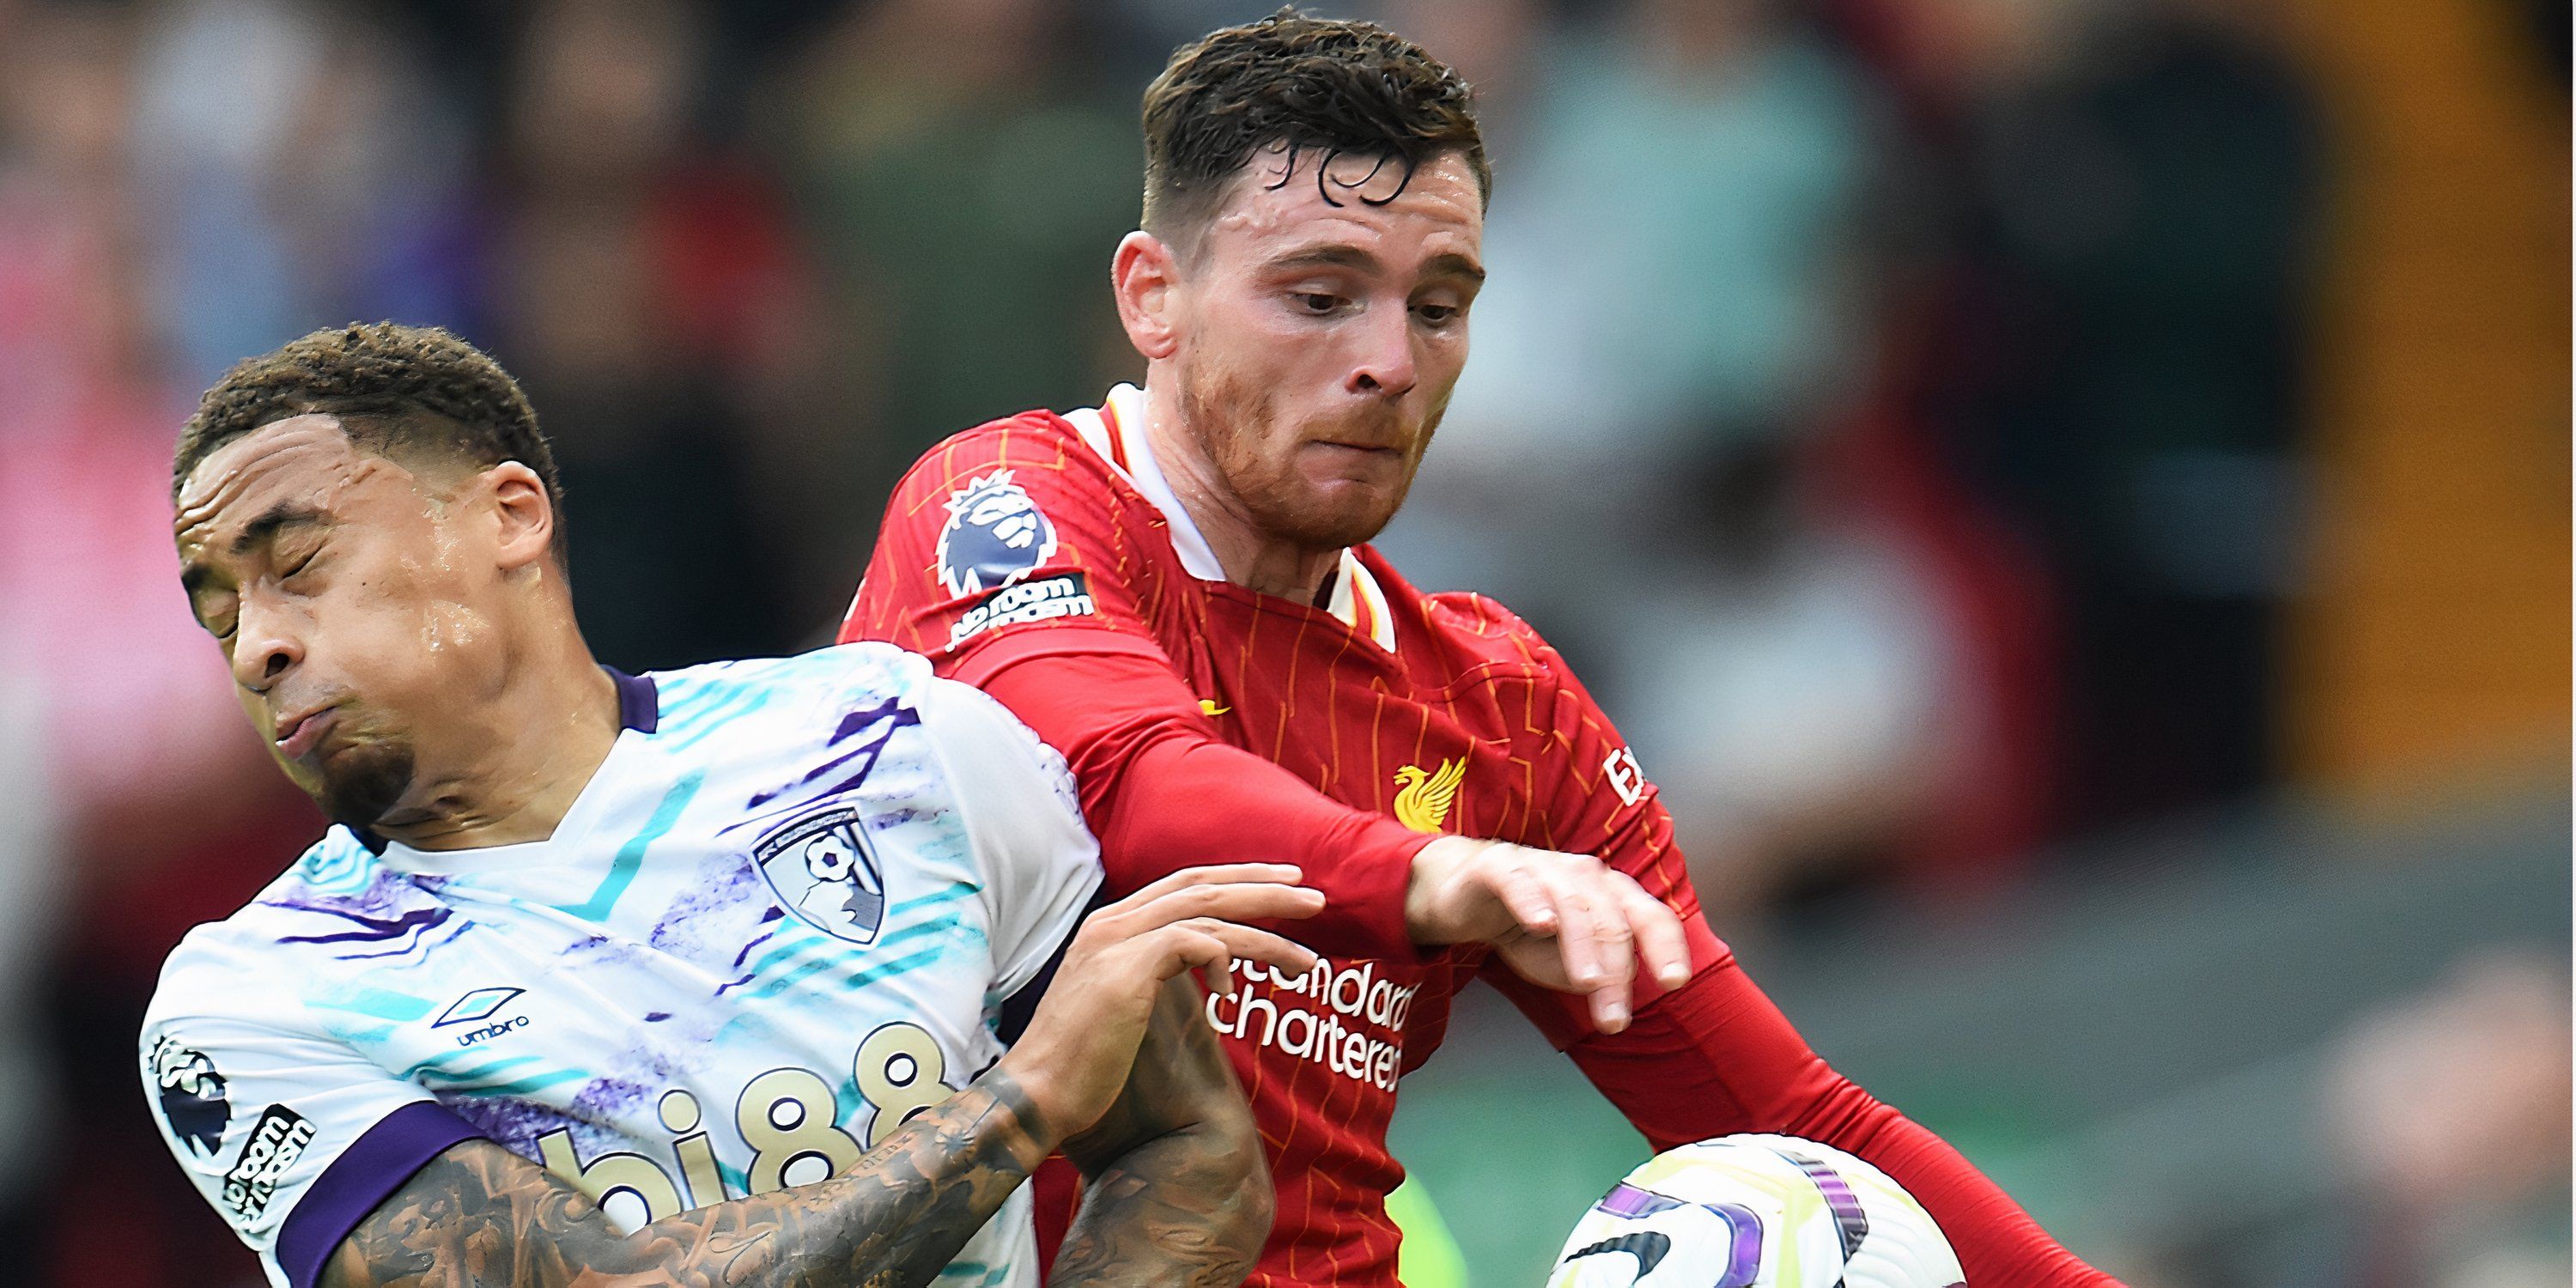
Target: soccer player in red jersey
{"x":1174,"y":590}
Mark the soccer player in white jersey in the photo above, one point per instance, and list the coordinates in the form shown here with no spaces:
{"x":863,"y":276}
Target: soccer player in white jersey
{"x":735,"y":974}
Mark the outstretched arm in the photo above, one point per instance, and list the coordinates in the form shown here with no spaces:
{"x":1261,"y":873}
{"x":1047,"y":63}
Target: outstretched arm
{"x":481,"y":1215}
{"x":1712,"y":1056}
{"x":1179,"y":1191}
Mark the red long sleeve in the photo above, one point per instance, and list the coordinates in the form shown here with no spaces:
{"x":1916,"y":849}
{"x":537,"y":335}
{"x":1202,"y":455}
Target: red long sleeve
{"x":1163,"y":793}
{"x":1715,"y":1057}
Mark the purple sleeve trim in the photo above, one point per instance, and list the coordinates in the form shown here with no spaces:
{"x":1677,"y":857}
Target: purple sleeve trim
{"x":639,"y":700}
{"x":371,"y":1168}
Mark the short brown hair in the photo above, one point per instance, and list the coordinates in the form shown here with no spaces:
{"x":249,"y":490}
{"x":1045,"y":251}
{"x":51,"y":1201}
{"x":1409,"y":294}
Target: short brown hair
{"x":1325,"y":84}
{"x":389,"y":385}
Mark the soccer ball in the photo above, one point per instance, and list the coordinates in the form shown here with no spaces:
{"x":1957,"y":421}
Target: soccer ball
{"x":1757,"y":1212}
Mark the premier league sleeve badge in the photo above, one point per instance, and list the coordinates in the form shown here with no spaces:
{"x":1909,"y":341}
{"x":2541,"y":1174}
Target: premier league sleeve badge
{"x":995,"y":535}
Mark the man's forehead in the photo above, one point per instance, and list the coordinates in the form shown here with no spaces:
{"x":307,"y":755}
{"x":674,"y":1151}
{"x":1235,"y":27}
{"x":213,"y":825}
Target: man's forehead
{"x":1317,"y":194}
{"x":234,"y":481}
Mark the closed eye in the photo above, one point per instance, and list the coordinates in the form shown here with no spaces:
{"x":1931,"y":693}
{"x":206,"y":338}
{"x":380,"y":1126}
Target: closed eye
{"x":301,"y":564}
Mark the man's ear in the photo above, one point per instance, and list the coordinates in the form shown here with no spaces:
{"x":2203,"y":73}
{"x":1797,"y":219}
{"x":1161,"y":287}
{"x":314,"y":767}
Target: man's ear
{"x":525,"y":512}
{"x":1144,"y":275}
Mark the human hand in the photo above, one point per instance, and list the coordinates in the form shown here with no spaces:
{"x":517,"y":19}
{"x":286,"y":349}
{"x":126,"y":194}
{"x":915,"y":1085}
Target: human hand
{"x":1563,"y":921}
{"x":1078,"y":1047}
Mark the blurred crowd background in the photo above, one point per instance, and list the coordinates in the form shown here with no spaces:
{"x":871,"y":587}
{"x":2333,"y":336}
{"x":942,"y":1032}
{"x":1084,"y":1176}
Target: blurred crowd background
{"x":2068,"y":497}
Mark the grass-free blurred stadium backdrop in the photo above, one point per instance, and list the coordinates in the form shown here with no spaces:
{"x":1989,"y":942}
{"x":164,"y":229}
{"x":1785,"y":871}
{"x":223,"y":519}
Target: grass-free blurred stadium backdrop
{"x":2068,"y":497}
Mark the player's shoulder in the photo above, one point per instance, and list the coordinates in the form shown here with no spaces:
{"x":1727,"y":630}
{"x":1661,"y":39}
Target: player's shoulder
{"x":1472,"y":627}
{"x":696,"y":700}
{"x":336,"y":894}
{"x":1040,"y":450}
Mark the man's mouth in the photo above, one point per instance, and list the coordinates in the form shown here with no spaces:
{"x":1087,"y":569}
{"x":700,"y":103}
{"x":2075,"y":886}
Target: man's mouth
{"x":299,"y":734}
{"x":1365,"y":449}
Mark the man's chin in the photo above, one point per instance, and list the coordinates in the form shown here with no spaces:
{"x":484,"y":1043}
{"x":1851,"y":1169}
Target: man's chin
{"x":361,"y":785}
{"x":1329,"y":521}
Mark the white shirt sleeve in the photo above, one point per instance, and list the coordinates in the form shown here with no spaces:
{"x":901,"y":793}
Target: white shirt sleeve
{"x":257,"y":1102}
{"x":1039,"y":861}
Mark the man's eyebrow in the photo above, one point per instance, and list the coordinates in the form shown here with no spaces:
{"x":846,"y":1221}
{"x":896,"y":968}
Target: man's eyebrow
{"x":1326,"y":257}
{"x":1450,"y":264}
{"x":281,"y":517}
{"x":1453,"y":264}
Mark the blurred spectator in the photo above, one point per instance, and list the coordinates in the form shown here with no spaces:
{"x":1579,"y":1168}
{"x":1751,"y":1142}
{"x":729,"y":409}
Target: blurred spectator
{"x":294,"y":164}
{"x":968,"y":183}
{"x":2116,"y":354}
{"x":648,"y":286}
{"x":2451,"y":1111}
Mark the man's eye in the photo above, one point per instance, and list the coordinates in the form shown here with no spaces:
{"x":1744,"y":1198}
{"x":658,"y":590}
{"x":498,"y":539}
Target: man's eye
{"x":1316,"y":303}
{"x":1436,"y":314}
{"x":300,"y":565}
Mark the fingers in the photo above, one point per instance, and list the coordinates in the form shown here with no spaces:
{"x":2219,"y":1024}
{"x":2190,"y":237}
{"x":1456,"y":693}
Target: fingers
{"x":1607,"y":958}
{"x":1215,"y":873}
{"x":1192,"y":949}
{"x":1213,"y":947}
{"x":1233,"y":892}
{"x":1526,"y":895}
{"x":1658,"y":932}
{"x":1603,"y":922}
{"x":1246,"y":901}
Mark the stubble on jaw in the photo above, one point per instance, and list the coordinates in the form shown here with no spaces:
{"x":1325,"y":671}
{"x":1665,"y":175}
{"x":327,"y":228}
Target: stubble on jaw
{"x":1234,"y":422}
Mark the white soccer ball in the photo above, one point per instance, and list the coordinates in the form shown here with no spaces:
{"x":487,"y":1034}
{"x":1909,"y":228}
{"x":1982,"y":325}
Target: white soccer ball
{"x":1757,"y":1212}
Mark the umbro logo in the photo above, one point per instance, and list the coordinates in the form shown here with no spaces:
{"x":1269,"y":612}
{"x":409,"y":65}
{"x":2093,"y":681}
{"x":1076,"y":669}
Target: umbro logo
{"x":481,"y":1007}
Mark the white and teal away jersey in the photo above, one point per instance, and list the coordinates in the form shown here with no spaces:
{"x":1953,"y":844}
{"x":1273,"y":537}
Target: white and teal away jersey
{"x":788,"y":911}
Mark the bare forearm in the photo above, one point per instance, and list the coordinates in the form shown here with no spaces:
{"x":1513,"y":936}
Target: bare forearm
{"x":479,"y":1215}
{"x":1179,"y":1191}
{"x":1189,"y":1208}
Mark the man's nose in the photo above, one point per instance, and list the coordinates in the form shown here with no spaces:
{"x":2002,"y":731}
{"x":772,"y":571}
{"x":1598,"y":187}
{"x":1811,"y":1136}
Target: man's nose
{"x":1386,"y":365}
{"x":263,"y":651}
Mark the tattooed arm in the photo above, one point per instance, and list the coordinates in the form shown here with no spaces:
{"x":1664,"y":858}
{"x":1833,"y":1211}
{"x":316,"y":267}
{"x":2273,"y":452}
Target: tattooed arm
{"x":480,"y":1215}
{"x":1179,"y":1190}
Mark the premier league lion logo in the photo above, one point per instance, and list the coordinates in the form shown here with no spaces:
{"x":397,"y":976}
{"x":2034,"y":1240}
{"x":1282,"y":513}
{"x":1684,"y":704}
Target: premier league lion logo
{"x":191,"y":1094}
{"x":820,"y":868}
{"x":995,"y":536}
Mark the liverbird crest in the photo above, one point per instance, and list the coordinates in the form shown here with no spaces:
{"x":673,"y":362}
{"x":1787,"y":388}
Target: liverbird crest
{"x":1424,"y":799}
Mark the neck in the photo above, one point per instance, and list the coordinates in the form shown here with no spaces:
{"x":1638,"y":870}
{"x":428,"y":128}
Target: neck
{"x":1252,"y":557}
{"x":534,"y":744}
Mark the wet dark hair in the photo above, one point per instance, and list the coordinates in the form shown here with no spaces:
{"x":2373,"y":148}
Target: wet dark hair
{"x":1309,"y":84}
{"x":392,"y":388}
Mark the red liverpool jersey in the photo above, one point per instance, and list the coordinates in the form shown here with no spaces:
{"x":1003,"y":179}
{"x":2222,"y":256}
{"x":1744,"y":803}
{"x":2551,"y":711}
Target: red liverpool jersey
{"x":1045,"y":559}
{"x":1443,"y":711}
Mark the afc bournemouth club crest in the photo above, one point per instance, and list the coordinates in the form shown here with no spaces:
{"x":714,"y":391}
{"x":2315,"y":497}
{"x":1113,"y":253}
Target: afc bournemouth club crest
{"x":995,"y":535}
{"x":821,"y":870}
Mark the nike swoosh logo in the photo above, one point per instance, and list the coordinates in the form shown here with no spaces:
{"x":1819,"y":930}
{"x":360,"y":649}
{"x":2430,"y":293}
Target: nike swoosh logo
{"x":1208,"y":707}
{"x":1648,"y":1247}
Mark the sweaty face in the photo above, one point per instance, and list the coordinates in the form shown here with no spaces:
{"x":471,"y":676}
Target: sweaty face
{"x":1321,"y":324}
{"x":342,"y":588}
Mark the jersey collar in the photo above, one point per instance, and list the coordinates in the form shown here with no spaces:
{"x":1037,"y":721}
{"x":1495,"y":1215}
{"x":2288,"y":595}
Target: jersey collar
{"x":1116,"y":430}
{"x":639,"y":703}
